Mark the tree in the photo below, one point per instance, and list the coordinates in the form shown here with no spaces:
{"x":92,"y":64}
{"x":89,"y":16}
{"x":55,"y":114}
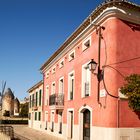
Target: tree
{"x":132,"y":90}
{"x":6,"y":113}
{"x":23,"y":110}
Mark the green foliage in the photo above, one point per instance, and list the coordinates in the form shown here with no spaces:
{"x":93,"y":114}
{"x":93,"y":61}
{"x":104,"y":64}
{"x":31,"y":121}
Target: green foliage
{"x":24,"y":110}
{"x":6,"y":113}
{"x":14,"y":121}
{"x":132,"y":90}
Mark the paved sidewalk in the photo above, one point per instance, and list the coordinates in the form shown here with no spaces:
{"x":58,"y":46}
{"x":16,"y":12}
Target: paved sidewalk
{"x":23,"y":132}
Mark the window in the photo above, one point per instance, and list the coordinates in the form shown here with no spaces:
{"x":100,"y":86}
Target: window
{"x":86,"y":44}
{"x":61,"y":85}
{"x":47,"y":96}
{"x":35,"y":115}
{"x":47,"y":74}
{"x":40,"y":94}
{"x":53,"y":70}
{"x":60,"y":122}
{"x":52,"y":121}
{"x":71,"y":55}
{"x":39,"y":116}
{"x":61,"y":64}
{"x":86,"y":78}
{"x":71,"y":86}
{"x":46,"y":120}
{"x":53,"y":88}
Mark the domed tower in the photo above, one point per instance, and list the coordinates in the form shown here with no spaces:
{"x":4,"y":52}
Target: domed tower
{"x":8,"y":102}
{"x":16,"y":107}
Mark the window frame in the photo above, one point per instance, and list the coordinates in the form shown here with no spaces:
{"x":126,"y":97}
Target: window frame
{"x":83,"y":81}
{"x":70,"y":57}
{"x":53,"y":70}
{"x":61,"y":92}
{"x":53,"y":92}
{"x":69,"y":78}
{"x":47,"y":96}
{"x":84,"y":47}
{"x":47,"y":74}
{"x":60,"y":63}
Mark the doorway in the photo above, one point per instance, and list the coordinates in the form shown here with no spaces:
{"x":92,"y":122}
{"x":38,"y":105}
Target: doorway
{"x":46,"y":120}
{"x":86,"y":125}
{"x":70,"y":124}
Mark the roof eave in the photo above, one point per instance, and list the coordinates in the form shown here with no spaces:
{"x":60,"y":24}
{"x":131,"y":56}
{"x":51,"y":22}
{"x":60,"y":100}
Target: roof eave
{"x":87,"y":22}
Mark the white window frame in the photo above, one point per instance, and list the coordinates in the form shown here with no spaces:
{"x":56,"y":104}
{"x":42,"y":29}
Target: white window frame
{"x":53,"y":69}
{"x":72,"y":53}
{"x":52,"y":118}
{"x":84,"y":47}
{"x":46,"y":119}
{"x":62,"y":78}
{"x":69,"y":75}
{"x":68,"y":111}
{"x":47,"y":74}
{"x":52,"y":88}
{"x":47,"y":95}
{"x":83,"y":81}
{"x":61,"y":63}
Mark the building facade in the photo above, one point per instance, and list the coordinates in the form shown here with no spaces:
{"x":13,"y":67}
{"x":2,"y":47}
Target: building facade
{"x":80,"y":104}
{"x":35,"y":105}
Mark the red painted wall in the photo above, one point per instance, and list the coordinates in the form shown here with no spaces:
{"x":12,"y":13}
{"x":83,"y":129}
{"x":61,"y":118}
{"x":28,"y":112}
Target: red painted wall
{"x":119,"y":43}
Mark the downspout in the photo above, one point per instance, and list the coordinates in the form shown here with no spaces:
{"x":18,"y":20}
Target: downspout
{"x":99,"y":65}
{"x":118,"y":118}
{"x":118,"y":113}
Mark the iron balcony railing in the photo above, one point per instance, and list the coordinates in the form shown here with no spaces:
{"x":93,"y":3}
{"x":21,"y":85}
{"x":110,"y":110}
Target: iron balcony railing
{"x":56,"y":99}
{"x":7,"y":130}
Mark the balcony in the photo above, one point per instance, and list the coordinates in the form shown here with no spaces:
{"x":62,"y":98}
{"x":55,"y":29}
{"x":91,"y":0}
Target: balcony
{"x":56,"y":101}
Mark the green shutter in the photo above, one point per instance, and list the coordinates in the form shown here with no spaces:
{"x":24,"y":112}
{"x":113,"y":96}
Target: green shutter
{"x":36,"y":97}
{"x":33,"y":100}
{"x":35,"y":115}
{"x":30,"y":102}
{"x":39,"y":116}
{"x":40,"y":97}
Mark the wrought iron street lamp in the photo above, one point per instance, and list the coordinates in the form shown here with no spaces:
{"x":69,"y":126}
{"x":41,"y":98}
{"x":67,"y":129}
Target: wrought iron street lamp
{"x":92,"y":65}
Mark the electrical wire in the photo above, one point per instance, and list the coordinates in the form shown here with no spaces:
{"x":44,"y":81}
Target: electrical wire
{"x":106,"y":88}
{"x":125,"y":60}
{"x":114,"y":69}
{"x":105,"y":66}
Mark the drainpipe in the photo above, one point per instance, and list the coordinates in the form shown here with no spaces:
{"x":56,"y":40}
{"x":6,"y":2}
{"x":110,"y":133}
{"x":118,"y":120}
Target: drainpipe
{"x":99,"y":74}
{"x":118,"y":118}
{"x":118,"y":112}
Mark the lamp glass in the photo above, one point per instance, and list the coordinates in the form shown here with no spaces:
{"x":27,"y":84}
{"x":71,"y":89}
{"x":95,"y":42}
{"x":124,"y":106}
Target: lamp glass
{"x":92,"y":65}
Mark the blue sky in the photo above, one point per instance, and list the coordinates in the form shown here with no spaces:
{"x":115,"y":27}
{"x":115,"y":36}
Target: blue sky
{"x":31,"y":31}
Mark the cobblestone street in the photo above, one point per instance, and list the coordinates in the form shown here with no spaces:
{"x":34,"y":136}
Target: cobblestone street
{"x":23,"y":132}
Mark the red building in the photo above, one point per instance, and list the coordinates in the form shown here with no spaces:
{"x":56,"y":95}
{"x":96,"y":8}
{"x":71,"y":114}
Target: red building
{"x":80,"y":104}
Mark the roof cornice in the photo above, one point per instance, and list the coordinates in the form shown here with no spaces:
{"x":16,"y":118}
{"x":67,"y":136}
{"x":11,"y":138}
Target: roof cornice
{"x":35,"y":86}
{"x":89,"y":20}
